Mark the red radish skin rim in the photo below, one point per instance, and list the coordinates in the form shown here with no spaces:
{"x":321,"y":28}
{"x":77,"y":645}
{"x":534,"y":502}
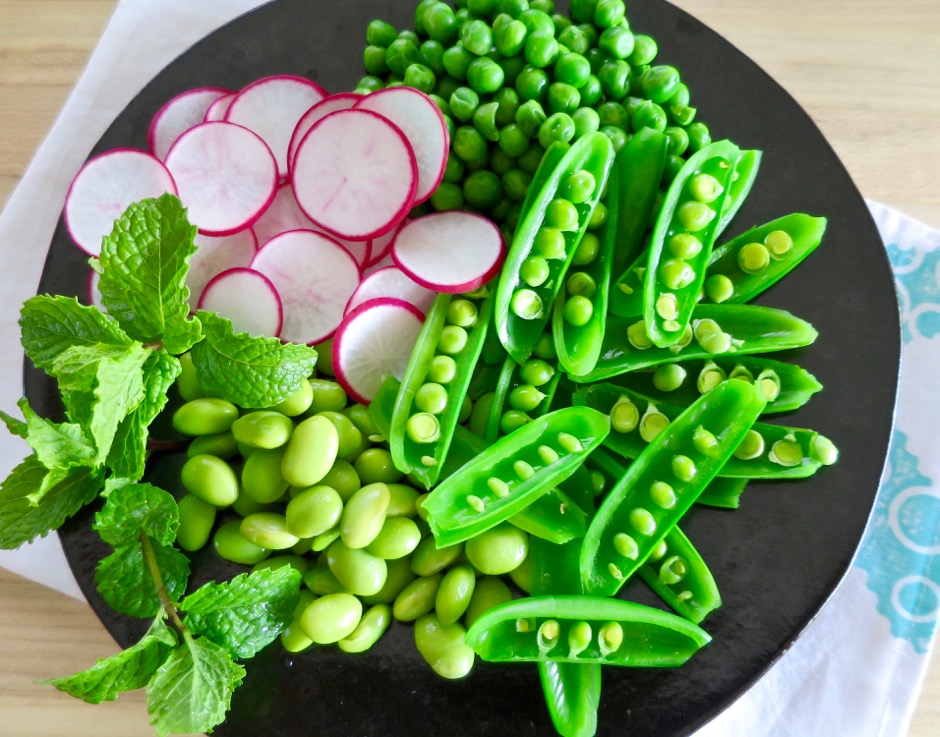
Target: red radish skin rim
{"x":68,"y":195}
{"x":152,"y":128}
{"x":467,"y":286}
{"x":302,"y":125}
{"x":402,"y":211}
{"x":341,"y":330}
{"x":240,"y":269}
{"x":195,"y":265}
{"x":375,"y":254}
{"x":274,"y":183}
{"x":365,"y":281}
{"x":213,"y":110}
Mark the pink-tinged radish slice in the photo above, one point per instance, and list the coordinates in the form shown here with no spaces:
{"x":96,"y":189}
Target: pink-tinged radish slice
{"x":217,"y":109}
{"x":339,"y":101}
{"x":373,"y":342}
{"x":450,"y":251}
{"x":355,"y":174}
{"x":423,"y":125}
{"x":271,"y":108}
{"x":105,"y":187}
{"x":217,"y":254}
{"x":225,"y":174}
{"x":391,"y":282}
{"x":94,"y":293}
{"x":247,"y":298}
{"x":315,"y":277}
{"x":382,"y":246}
{"x":382,"y":263}
{"x":179,"y":115}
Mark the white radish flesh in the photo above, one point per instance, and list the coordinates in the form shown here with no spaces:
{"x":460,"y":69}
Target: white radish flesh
{"x":271,"y":108}
{"x":247,"y":298}
{"x":450,"y":251}
{"x":373,"y":342}
{"x":105,"y":187}
{"x":225,"y":174}
{"x":355,"y":174}
{"x":381,"y":247}
{"x":315,"y":277}
{"x":217,"y":109}
{"x":423,"y":125}
{"x":184,"y":111}
{"x":339,"y":101}
{"x":391,"y":282}
{"x":217,"y":254}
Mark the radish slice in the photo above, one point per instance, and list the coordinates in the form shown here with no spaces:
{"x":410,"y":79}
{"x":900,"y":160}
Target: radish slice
{"x":355,"y":174}
{"x":374,"y":341}
{"x":215,"y":255}
{"x":271,"y":108}
{"x":179,"y":115}
{"x":391,"y":282}
{"x":450,"y":251}
{"x":423,"y":125}
{"x":386,"y":260}
{"x":340,"y":101}
{"x":217,"y":109}
{"x":382,"y":246}
{"x":315,"y":277}
{"x":285,"y":214}
{"x":247,"y":298}
{"x":94,"y":294}
{"x":105,"y":187}
{"x":225,"y":174}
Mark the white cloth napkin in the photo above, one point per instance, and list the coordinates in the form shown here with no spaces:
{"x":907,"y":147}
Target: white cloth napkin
{"x":858,"y":669}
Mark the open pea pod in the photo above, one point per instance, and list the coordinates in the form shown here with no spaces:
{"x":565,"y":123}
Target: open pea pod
{"x":768,"y":451}
{"x":383,"y":404}
{"x":745,"y":266}
{"x":663,"y":482}
{"x":512,"y":473}
{"x":786,"y":385}
{"x":744,"y":175}
{"x":716,"y":330}
{"x":435,"y":383}
{"x":584,"y":629}
{"x":546,"y":241}
{"x":682,"y":240}
{"x":517,"y":401}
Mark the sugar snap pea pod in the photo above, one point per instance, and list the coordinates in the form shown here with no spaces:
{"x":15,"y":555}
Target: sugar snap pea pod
{"x":546,"y":241}
{"x":523,"y":392}
{"x":744,"y":175}
{"x":550,"y":160}
{"x":769,"y":451}
{"x":716,"y":330}
{"x":580,"y":310}
{"x":435,"y":383}
{"x":745,"y":266}
{"x":383,"y":404}
{"x":584,"y":629}
{"x":682,"y":240}
{"x":663,"y":482}
{"x":512,"y":473}
{"x":786,"y":385}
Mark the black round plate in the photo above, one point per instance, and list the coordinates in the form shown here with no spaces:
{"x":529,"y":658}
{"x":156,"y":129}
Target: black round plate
{"x":776,"y":560}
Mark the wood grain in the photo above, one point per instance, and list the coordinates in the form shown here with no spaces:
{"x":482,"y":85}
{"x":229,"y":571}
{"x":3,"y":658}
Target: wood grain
{"x":864,"y":70}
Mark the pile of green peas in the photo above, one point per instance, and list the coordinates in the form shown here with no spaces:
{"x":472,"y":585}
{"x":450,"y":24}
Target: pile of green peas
{"x":513,"y":76}
{"x":310,"y":483}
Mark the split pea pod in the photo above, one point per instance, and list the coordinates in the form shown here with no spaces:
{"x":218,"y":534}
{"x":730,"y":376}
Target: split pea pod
{"x":512,"y":473}
{"x":546,"y":241}
{"x":523,"y":392}
{"x":716,"y":330}
{"x":682,"y":241}
{"x":584,"y":629}
{"x":435,"y":382}
{"x":744,"y":175}
{"x":663,"y":482}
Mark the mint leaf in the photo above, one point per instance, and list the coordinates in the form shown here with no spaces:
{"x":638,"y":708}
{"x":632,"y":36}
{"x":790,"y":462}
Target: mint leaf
{"x":249,"y":371}
{"x":144,"y":263}
{"x":76,"y":368}
{"x":57,"y":445}
{"x":193,"y":688}
{"x":34,"y":500}
{"x":51,"y":325}
{"x":119,"y":389}
{"x":15,"y":426}
{"x":134,"y":509}
{"x":127,"y":670}
{"x":247,"y":613}
{"x":125,"y":582}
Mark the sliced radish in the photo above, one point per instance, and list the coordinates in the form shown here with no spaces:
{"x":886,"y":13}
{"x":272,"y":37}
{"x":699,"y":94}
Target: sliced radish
{"x":271,"y":108}
{"x":178,"y":116}
{"x":355,"y":174}
{"x":105,"y":187}
{"x":386,"y":260}
{"x":373,"y":342}
{"x":217,"y":109}
{"x":381,"y":247}
{"x":391,"y":282}
{"x":339,"y":101}
{"x":226,"y":176}
{"x":315,"y":277}
{"x":423,"y":125}
{"x":449,"y":251}
{"x":247,"y":298}
{"x":217,"y":254}
{"x":94,"y":294}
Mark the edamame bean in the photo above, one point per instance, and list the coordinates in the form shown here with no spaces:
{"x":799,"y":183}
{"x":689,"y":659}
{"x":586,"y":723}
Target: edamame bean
{"x":298,"y":402}
{"x":488,"y":592}
{"x":262,"y":479}
{"x":399,"y":575}
{"x":262,"y":429}
{"x":371,"y":627}
{"x":321,"y":581}
{"x":498,"y":550}
{"x":331,"y":618}
{"x":417,"y":598}
{"x":522,"y":575}
{"x":211,"y":479}
{"x":187,"y":383}
{"x":401,"y":501}
{"x":443,"y":647}
{"x":197,"y":517}
{"x":364,"y":515}
{"x":313,"y":511}
{"x":206,"y":416}
{"x":351,"y":441}
{"x":221,"y":445}
{"x":375,"y":465}
{"x":429,"y":559}
{"x":342,"y":476}
{"x":229,"y":543}
{"x":398,"y":537}
{"x":310,"y":452}
{"x":361,"y":572}
{"x":267,"y":530}
{"x":297,"y":562}
{"x":327,"y":395}
{"x":455,"y":592}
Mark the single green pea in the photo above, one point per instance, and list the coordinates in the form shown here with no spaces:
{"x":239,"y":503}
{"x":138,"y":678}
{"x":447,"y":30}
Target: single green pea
{"x":536,"y":372}
{"x":380,"y":33}
{"x":370,"y":629}
{"x":510,"y":38}
{"x":205,"y":416}
{"x":431,"y":397}
{"x":516,"y":184}
{"x":683,"y":468}
{"x":663,"y":495}
{"x":512,"y":141}
{"x":468,"y":144}
{"x":705,"y":188}
{"x":626,"y":546}
{"x":482,"y":189}
{"x":592,"y":92}
{"x":753,"y":258}
{"x":668,"y":377}
{"x":710,"y":336}
{"x":359,"y":571}
{"x":267,"y":530}
{"x":652,"y":423}
{"x":823,"y":450}
{"x":681,"y":96}
{"x":549,"y":243}
{"x":624,"y":416}
{"x":534,"y":271}
{"x":615,"y":78}
{"x":786,"y":452}
{"x":557,"y":127}
{"x":580,"y":633}
{"x":659,"y":83}
{"x":369,"y":83}
{"x":699,"y":136}
{"x":443,"y":648}
{"x":453,"y":340}
{"x":420,"y":10}
{"x":545,"y":348}
{"x":512,"y":420}
{"x":682,"y":115}
{"x":618,"y":137}
{"x":498,"y":550}
{"x":463,"y":104}
{"x":541,"y":49}
{"x":420,"y":77}
{"x":375,"y":466}
{"x":580,"y":282}
{"x":751,"y":446}
{"x":578,"y":310}
{"x":485,"y":75}
{"x":538,"y":18}
{"x":443,"y":370}
{"x":684,"y":246}
{"x":447,"y":196}
{"x":221,"y":445}
{"x":645,"y":50}
{"x":572,"y":69}
{"x":331,"y":618}
{"x":769,"y":383}
{"x":676,"y":274}
{"x":456,"y":59}
{"x":561,"y":215}
{"x":638,"y":337}
{"x":609,"y":13}
{"x":401,"y":53}
{"x":779,"y":244}
{"x":531,"y":86}
{"x":429,"y":559}
{"x":586,"y":122}
{"x":587,"y":250}
{"x":617,"y":42}
{"x":719,"y":288}
{"x":705,"y":442}
{"x":613,"y":113}
{"x":483,"y":8}
{"x":342,"y":477}
{"x":211,"y":479}
{"x":417,"y":598}
{"x":642,"y":521}
{"x":398,"y":537}
{"x":574,"y":39}
{"x":525,"y":398}
{"x":667,"y":306}
{"x":197,"y":518}
{"x":673,"y":570}
{"x":529,"y":161}
{"x":578,"y":186}
{"x":477,"y":37}
{"x":440,"y":23}
{"x":526,"y":304}
{"x":313,"y":511}
{"x":710,"y":376}
{"x":678,"y":140}
{"x":311,"y":451}
{"x":455,"y":593}
{"x":563,"y":98}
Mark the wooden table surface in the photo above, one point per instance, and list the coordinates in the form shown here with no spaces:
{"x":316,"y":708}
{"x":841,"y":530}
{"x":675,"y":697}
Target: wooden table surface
{"x":866,"y":72}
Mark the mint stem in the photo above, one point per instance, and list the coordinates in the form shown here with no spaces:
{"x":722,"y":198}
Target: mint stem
{"x":168,"y":604}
